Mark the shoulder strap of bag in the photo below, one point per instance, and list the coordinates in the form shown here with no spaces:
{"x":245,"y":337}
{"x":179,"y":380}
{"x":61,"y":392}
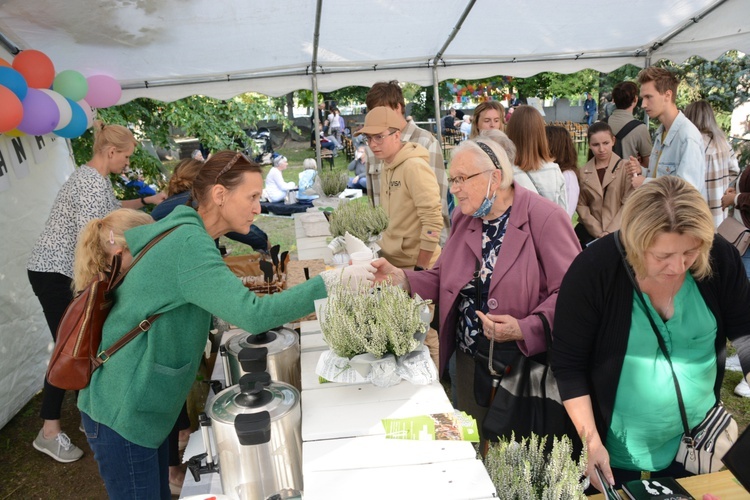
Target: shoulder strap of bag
{"x":662,"y":346}
{"x":547,"y":336}
{"x":144,"y":325}
{"x":533,"y":183}
{"x":116,"y":282}
{"x":627,"y":129}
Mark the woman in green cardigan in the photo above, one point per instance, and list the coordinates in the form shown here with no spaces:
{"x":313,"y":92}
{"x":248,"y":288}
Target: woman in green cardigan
{"x":133,"y":400}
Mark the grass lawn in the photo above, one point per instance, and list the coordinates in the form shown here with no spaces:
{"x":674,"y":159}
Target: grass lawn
{"x":280,"y":230}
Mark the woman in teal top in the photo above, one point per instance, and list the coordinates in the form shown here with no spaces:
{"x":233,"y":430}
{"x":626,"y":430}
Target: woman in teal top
{"x":645,"y":430}
{"x":133,"y":400}
{"x":614,"y":380}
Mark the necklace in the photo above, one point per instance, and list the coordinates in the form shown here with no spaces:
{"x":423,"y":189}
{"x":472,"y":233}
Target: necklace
{"x":655,"y":296}
{"x":668,"y":310}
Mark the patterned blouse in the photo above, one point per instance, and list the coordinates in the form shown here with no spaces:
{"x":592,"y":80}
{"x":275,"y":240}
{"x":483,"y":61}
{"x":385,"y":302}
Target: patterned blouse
{"x":469,"y":325}
{"x":86,"y":195}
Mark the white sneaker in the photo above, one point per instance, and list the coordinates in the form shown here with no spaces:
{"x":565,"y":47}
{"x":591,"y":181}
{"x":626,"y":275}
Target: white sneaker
{"x":742,"y":389}
{"x":59,"y":447}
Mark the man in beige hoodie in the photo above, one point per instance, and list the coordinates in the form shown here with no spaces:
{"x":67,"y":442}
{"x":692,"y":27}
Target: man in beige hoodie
{"x":410,"y":196}
{"x":409,"y":192}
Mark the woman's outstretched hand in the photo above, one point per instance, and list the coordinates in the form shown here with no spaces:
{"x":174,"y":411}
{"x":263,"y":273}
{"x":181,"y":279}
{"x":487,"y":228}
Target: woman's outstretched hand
{"x":384,"y":270}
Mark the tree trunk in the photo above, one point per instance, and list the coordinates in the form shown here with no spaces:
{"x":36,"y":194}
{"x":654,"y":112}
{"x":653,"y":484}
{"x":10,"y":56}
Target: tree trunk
{"x":290,"y":105}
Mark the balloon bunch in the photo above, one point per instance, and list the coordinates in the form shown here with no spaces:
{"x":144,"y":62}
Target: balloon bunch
{"x":480,"y":90}
{"x":36,"y":101}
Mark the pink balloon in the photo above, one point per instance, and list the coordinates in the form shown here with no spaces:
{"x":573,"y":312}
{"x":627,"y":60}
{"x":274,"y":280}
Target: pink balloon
{"x":88,"y":111}
{"x":40,"y":113}
{"x":104,"y":91}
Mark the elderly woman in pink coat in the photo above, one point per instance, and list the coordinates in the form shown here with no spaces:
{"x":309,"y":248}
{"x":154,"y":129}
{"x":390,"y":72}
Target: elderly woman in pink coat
{"x":502,"y":264}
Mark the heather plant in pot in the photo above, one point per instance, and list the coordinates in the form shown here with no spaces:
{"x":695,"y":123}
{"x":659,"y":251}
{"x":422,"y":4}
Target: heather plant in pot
{"x":379,"y":332}
{"x":359,"y":218}
{"x":523,"y":470}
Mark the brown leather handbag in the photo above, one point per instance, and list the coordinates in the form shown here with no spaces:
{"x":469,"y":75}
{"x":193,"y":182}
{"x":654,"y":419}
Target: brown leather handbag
{"x":735,"y":233}
{"x":79,"y":335}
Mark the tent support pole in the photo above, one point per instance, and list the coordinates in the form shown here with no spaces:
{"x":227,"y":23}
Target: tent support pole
{"x":647,"y":63}
{"x":436,"y":61}
{"x":436,"y":97}
{"x":316,"y":115}
{"x":316,"y":122}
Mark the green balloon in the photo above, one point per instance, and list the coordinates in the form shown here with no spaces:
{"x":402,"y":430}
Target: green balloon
{"x":71,"y":84}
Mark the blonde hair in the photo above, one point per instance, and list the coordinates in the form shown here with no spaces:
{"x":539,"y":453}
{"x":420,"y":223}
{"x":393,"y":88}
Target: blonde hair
{"x":668,"y":204}
{"x":486,"y":106}
{"x":111,"y":135}
{"x":483,"y":160}
{"x":702,"y":115}
{"x":98,"y":235}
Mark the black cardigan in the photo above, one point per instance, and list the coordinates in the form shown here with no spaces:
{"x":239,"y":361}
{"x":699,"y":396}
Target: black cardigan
{"x":593,"y":314}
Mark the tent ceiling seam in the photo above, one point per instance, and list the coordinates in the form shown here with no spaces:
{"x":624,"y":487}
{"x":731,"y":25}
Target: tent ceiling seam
{"x":691,"y":22}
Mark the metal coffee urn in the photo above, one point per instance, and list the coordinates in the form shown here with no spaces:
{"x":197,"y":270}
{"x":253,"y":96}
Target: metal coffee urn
{"x":257,"y":426}
{"x":282,"y":351}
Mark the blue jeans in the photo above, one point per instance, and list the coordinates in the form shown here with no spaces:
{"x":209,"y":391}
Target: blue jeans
{"x":129,"y":471}
{"x":746,"y":261}
{"x":361,"y":183}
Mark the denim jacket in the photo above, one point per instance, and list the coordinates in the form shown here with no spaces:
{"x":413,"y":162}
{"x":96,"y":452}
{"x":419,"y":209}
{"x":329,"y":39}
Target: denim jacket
{"x":681,"y":154}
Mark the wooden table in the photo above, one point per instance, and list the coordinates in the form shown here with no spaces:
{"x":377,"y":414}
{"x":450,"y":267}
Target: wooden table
{"x":720,"y":484}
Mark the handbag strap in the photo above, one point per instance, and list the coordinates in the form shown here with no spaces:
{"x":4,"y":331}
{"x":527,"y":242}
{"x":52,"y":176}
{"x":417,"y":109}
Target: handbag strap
{"x":660,"y":340}
{"x":144,"y":325}
{"x":104,"y":356}
{"x":547,"y":336}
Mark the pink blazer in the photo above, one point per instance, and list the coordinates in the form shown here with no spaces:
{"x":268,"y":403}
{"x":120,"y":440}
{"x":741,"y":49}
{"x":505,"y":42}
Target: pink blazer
{"x":537,"y":249}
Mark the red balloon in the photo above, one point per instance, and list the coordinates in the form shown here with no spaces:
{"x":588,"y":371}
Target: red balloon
{"x":12,"y":108}
{"x":36,"y":68}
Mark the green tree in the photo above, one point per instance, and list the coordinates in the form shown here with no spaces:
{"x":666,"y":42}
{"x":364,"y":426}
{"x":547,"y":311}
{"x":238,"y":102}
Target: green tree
{"x":549,"y":84}
{"x":218,"y":124}
{"x":348,"y":95}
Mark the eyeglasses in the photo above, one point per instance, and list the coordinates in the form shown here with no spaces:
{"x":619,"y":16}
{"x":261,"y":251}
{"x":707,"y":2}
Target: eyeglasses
{"x":377,"y":139}
{"x":228,"y":167}
{"x":458,"y":181}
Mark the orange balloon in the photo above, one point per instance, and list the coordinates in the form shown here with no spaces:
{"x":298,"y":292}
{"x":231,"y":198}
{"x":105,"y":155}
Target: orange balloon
{"x":36,"y":68}
{"x":5,"y":63}
{"x":12,"y":113}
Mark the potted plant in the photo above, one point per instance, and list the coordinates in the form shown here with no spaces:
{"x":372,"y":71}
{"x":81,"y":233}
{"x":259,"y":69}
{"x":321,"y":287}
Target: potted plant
{"x":359,"y":218}
{"x":524,"y":470}
{"x":378,"y":333}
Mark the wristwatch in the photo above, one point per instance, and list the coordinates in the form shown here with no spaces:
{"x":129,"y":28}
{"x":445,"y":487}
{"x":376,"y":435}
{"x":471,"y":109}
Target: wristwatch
{"x":143,"y":201}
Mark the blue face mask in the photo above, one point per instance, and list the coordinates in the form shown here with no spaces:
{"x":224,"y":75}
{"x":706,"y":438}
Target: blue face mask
{"x":486,"y":205}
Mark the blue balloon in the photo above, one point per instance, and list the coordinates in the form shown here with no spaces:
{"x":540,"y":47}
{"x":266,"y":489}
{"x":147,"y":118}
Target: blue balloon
{"x":78,"y":122}
{"x":14,"y":81}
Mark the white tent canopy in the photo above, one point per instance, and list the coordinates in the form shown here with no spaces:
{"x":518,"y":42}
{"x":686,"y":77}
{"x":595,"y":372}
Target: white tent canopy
{"x":169,"y":49}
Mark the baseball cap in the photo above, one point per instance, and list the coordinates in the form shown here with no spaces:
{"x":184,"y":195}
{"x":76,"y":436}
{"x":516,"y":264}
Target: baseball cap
{"x":380,"y":119}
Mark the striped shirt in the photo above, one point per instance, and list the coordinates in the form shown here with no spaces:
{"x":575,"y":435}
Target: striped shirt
{"x":721,"y":169}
